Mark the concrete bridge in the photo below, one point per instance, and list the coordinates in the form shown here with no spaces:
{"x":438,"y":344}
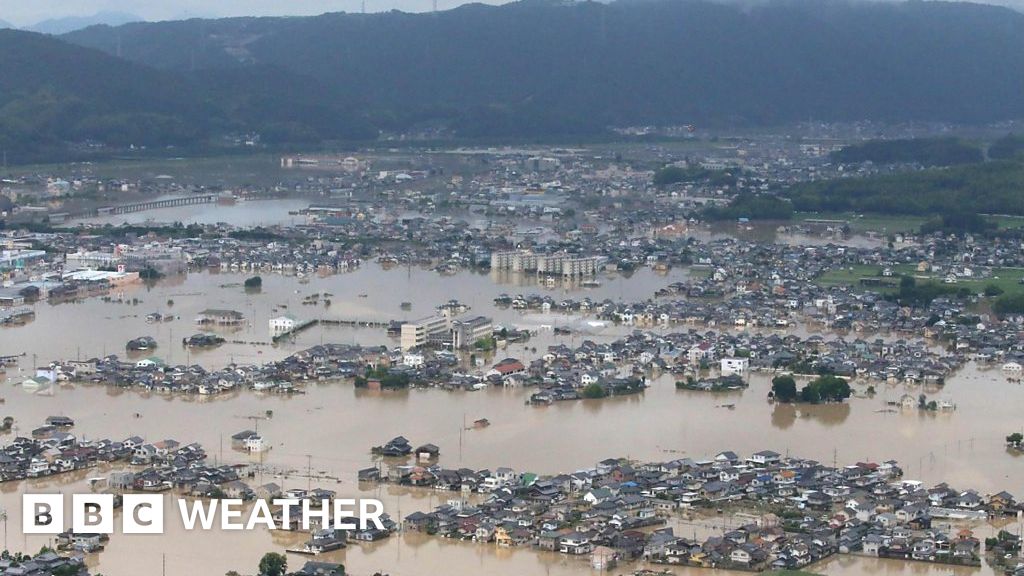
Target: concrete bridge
{"x":154,"y":204}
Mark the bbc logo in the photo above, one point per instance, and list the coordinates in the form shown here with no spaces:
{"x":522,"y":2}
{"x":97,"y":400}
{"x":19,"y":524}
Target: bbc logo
{"x":46,"y":513}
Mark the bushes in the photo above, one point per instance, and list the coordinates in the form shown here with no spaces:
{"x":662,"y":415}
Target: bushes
{"x":1009,"y":304}
{"x":388,"y":380}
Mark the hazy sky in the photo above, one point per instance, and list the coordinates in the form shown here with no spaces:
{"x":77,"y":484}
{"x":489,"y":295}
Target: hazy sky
{"x":26,"y":12}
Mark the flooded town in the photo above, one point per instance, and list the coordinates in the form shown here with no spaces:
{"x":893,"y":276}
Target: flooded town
{"x":537,"y":359}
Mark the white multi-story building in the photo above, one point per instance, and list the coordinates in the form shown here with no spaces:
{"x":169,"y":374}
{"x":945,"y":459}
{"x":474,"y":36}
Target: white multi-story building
{"x":566,"y":265}
{"x":467,"y":332}
{"x":419,"y":332}
{"x":735,"y":366}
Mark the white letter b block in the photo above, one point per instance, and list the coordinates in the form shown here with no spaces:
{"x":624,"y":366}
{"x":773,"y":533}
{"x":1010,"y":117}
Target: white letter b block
{"x":92,"y":513}
{"x":42,"y":513}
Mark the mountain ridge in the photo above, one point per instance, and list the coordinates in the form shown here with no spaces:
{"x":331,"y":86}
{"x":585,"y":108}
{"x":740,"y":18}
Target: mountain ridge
{"x":636,"y":62}
{"x":526,"y":70}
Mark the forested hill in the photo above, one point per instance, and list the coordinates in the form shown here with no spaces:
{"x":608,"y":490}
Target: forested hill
{"x":529,"y":69}
{"x":53,"y":93}
{"x":537,"y":66}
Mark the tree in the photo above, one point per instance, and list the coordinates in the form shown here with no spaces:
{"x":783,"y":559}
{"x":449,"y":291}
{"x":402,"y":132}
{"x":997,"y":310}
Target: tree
{"x":594,"y":390}
{"x":784,"y":388}
{"x":254,"y":283}
{"x":273,"y":564}
{"x":67,"y":570}
{"x":810,"y":394}
{"x":827,"y":388}
{"x":993,"y":290}
{"x":1014,"y":440}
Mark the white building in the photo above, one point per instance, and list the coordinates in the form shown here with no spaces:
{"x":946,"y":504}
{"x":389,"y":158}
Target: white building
{"x":412,"y":360}
{"x":735,"y":365}
{"x":255,"y":443}
{"x":419,"y":332}
{"x":561,"y":264}
{"x":283,"y":323}
{"x":467,"y":332}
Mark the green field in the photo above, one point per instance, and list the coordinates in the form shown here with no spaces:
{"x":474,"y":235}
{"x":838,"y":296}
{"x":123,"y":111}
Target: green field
{"x":225,"y":170}
{"x":881,"y":224}
{"x":1007,"y":279}
{"x":851,"y":276}
{"x":862,"y":223}
{"x":1005,"y":221}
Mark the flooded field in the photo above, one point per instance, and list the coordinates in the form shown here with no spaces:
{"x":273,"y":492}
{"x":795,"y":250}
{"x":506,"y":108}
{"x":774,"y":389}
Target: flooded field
{"x":322,"y":437}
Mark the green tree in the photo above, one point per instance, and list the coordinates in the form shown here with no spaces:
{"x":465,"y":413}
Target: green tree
{"x":810,"y":394}
{"x":784,"y":388}
{"x":827,"y":388}
{"x":273,"y":564}
{"x":594,"y":390}
{"x":993,"y":290}
{"x":1015,"y":439}
{"x":1009,"y":304}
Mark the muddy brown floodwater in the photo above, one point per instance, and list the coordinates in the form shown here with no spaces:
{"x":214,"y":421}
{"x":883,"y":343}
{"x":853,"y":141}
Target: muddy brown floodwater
{"x":336,"y":425}
{"x":332,"y":426}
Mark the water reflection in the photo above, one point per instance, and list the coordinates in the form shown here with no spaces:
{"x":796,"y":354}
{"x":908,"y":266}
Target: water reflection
{"x":783,"y":415}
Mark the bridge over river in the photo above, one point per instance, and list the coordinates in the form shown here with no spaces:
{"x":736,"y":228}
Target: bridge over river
{"x":153,"y":204}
